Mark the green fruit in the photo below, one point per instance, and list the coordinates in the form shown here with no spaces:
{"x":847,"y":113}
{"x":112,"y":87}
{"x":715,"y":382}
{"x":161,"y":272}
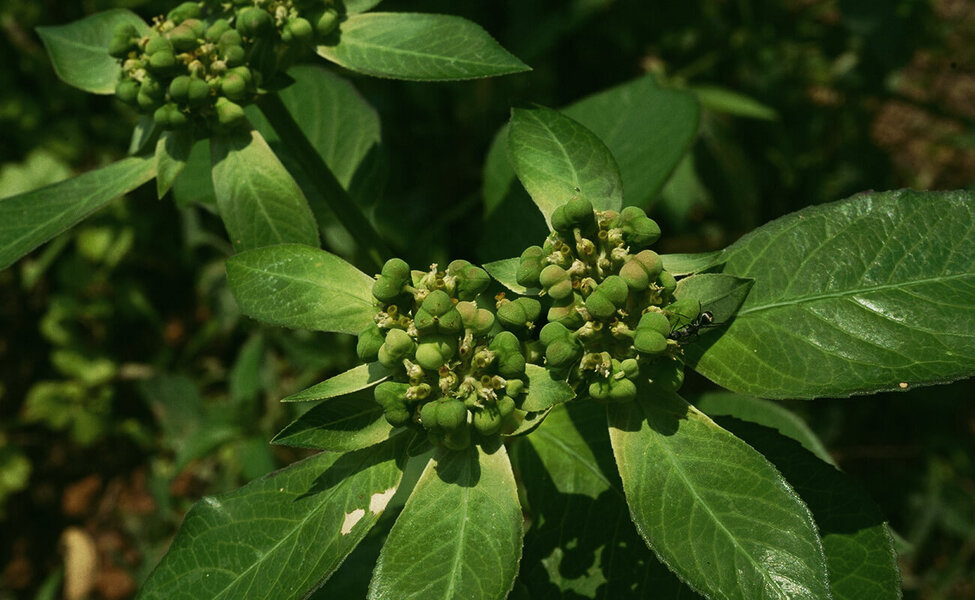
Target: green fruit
{"x":234,"y":55}
{"x":519,"y":313}
{"x":127,"y":90}
{"x":667,"y":281}
{"x":510,"y":360}
{"x":433,"y":354}
{"x":370,"y":341}
{"x":233,"y":86}
{"x":230,"y":38}
{"x":390,"y":393}
{"x":162,"y":63}
{"x":184,"y":38}
{"x":506,"y":406}
{"x":630,"y":368}
{"x":530,"y":266}
{"x":158,"y":43}
{"x":452,"y":414}
{"x":599,"y":305}
{"x":451,"y":322}
{"x":514,"y":388}
{"x":298,"y":31}
{"x":649,"y":342}
{"x":216,"y":30}
{"x":484,"y":323}
{"x":198,"y":92}
{"x":186,"y":10}
{"x":125,"y":30}
{"x":622,"y":390}
{"x":229,"y":114}
{"x":179,"y":88}
{"x":655,"y":321}
{"x":599,"y":390}
{"x":386,"y":290}
{"x":397,"y":270}
{"x":397,"y":346}
{"x":566,"y":313}
{"x":327,"y":23}
{"x":437,"y":303}
{"x":562,"y":354}
{"x":397,"y":416}
{"x":556,"y":282}
{"x":161,"y":116}
{"x":650,"y":261}
{"x":471,"y":280}
{"x":615,"y":290}
{"x":429,"y":414}
{"x":487,"y":421}
{"x":553,"y":332}
{"x":254,"y":22}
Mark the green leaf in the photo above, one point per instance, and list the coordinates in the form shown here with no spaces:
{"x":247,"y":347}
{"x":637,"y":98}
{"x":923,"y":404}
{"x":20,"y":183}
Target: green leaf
{"x":647,"y":127}
{"x":858,"y":543}
{"x":258,"y":199}
{"x":355,"y":379}
{"x":301,"y":287}
{"x":582,"y":541}
{"x":712,"y":508}
{"x":79,"y":50}
{"x":723,"y":100}
{"x":876,"y":292}
{"x":556,"y":158}
{"x":763,"y":412}
{"x":685,"y":264}
{"x":358,"y":6}
{"x":526,"y":422}
{"x":244,"y":382}
{"x":145,"y":131}
{"x":172,"y":152}
{"x":505,"y":272}
{"x":194,"y":185}
{"x":337,"y":120}
{"x":278,"y":537}
{"x":28,"y":220}
{"x":340,"y":424}
{"x":719,"y":293}
{"x":460,"y":533}
{"x":420,"y":47}
{"x":543,"y":391}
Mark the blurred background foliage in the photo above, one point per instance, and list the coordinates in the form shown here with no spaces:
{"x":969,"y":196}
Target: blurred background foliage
{"x":130,"y":386}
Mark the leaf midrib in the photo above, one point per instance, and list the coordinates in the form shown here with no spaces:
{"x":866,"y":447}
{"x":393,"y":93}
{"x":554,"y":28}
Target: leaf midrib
{"x":852,"y":292}
{"x":700,"y":501}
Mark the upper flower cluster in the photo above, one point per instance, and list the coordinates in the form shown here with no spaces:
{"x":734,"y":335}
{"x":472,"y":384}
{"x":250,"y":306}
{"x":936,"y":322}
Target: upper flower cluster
{"x":204,"y":60}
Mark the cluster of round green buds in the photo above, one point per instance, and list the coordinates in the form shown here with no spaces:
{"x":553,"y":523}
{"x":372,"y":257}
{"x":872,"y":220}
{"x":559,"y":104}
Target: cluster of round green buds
{"x":611,"y":310}
{"x":202,"y":62}
{"x":454,"y":372}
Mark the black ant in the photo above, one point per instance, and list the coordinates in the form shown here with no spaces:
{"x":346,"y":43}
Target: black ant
{"x":705,"y":319}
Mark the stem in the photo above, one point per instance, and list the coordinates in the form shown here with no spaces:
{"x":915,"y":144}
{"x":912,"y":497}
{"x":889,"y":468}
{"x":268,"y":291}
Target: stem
{"x":321,"y":176}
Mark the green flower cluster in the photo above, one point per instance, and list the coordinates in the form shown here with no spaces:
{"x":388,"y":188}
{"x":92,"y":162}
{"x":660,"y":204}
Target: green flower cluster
{"x":454,"y":372}
{"x":612,"y":310}
{"x":202,"y":62}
